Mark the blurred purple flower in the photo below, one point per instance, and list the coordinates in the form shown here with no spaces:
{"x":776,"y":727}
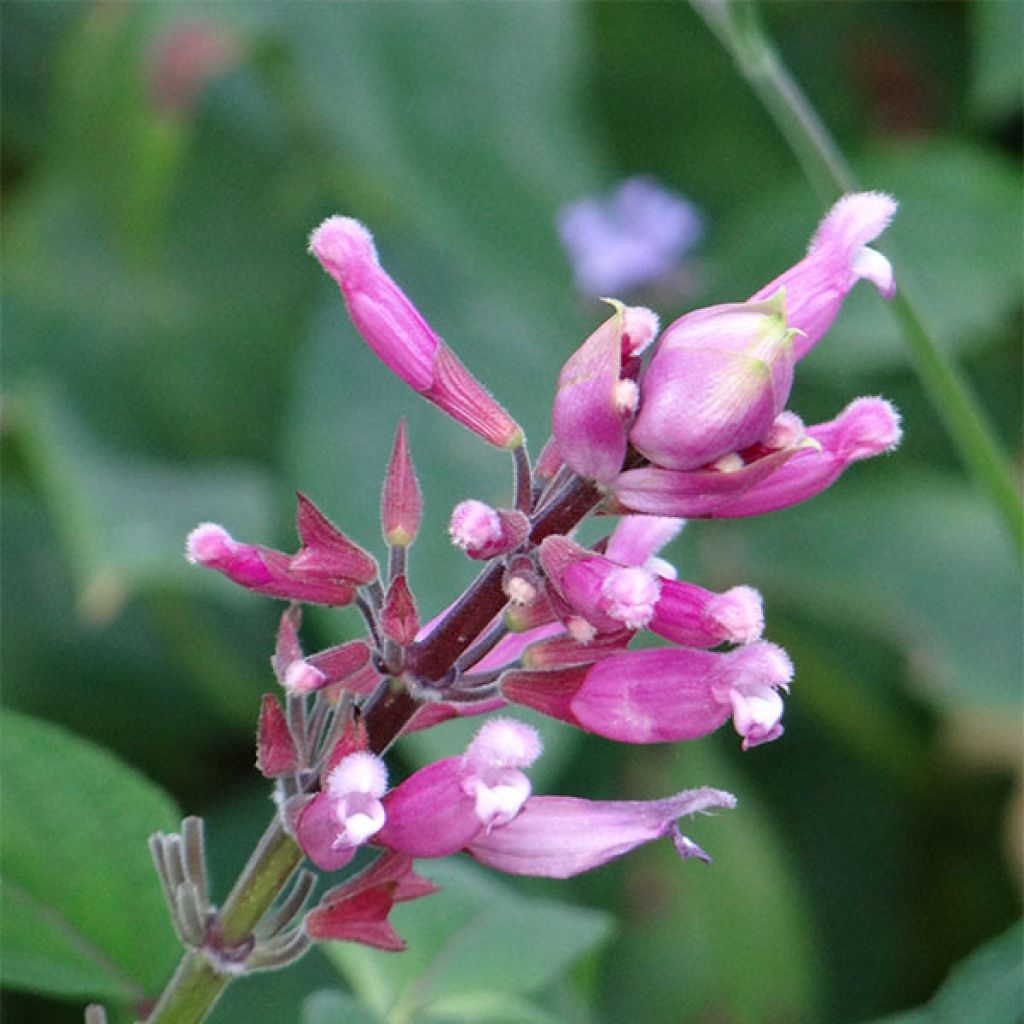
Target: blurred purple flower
{"x":633,"y":236}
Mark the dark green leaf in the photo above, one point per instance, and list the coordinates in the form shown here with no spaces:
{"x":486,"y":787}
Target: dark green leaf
{"x":83,"y":912}
{"x":986,"y":988}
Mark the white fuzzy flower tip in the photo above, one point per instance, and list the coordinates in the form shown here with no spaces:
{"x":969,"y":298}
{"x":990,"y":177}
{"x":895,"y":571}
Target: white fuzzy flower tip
{"x":739,"y":612}
{"x":207,"y":543}
{"x":505,"y":742}
{"x":474,"y":525}
{"x":869,"y":426}
{"x":340,"y":243}
{"x":361,"y":772}
{"x":301,"y":677}
{"x":630,"y":595}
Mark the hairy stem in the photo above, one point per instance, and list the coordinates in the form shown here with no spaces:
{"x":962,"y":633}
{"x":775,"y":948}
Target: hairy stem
{"x":738,"y":27}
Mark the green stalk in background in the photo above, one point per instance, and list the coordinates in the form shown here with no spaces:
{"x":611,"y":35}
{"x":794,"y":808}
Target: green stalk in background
{"x":738,"y":27}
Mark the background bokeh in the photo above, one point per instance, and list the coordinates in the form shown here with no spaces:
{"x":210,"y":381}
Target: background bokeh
{"x":173,"y":355}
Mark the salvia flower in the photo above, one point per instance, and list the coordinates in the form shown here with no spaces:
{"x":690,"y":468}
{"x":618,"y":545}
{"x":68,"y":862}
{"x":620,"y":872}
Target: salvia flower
{"x":663,"y":695}
{"x":444,"y":806}
{"x":346,"y":813}
{"x":711,"y":420}
{"x":559,"y":837}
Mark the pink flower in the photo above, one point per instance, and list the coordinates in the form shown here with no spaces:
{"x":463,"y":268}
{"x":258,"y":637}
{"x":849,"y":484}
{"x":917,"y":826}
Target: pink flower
{"x":401,"y":338}
{"x":326,"y":570}
{"x":662,"y":696}
{"x":558,"y":837}
{"x":712,"y":418}
{"x":770,"y":480}
{"x":613,"y":597}
{"x":346,"y":813}
{"x":442,"y":807}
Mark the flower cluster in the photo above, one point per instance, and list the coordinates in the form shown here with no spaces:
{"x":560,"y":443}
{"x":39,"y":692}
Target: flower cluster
{"x":655,"y":430}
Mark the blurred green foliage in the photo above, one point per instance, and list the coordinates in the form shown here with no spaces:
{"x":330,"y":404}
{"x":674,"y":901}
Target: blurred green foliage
{"x":172,"y":355}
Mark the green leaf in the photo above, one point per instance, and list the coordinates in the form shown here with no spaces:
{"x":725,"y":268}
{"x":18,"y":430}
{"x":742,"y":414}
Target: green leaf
{"x":123,"y":522}
{"x":916,"y":558}
{"x":475,"y":940}
{"x":730,"y":940}
{"x":997,"y":85}
{"x":82,"y":908}
{"x":330,"y":1007}
{"x":488,"y":1008}
{"x":985,"y":988}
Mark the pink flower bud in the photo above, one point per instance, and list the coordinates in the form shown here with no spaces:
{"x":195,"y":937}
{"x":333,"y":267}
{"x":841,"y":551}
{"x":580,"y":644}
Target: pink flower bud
{"x":484,"y":532}
{"x":399,"y":619}
{"x":660,"y":695}
{"x":401,"y":503}
{"x":590,"y":410}
{"x":401,"y":338}
{"x":718,"y":379}
{"x":837,"y":258}
{"x":262,"y":569}
{"x":276,"y":752}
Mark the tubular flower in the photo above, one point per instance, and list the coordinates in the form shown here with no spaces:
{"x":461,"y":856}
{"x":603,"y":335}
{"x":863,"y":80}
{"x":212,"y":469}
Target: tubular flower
{"x":837,"y":258}
{"x":400,"y":337}
{"x":559,"y":836}
{"x":612,"y":597}
{"x":441,"y":808}
{"x":662,"y":696}
{"x":346,"y":813}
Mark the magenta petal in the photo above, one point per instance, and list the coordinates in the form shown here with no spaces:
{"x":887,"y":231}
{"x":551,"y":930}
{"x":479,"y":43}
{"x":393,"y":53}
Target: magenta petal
{"x":867,"y":427}
{"x":695,"y":494}
{"x":586,"y":422}
{"x":430,"y":814}
{"x":837,"y":258}
{"x":652,"y":696}
{"x":558,"y":837}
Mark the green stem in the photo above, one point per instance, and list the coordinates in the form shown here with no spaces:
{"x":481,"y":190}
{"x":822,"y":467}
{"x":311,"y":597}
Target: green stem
{"x":738,"y":27}
{"x":197,"y":984}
